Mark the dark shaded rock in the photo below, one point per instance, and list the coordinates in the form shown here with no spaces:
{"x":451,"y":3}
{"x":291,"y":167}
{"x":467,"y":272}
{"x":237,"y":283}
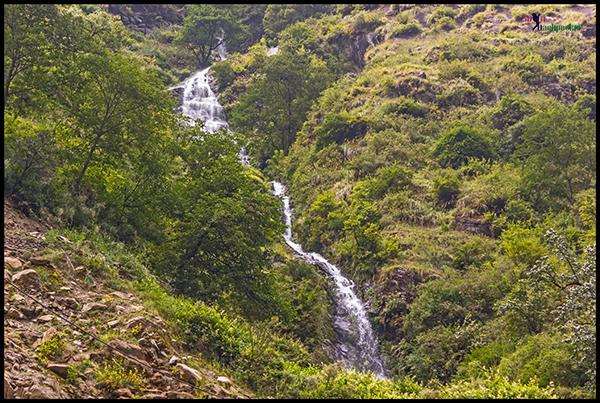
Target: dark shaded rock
{"x":474,"y":225}
{"x":589,"y":32}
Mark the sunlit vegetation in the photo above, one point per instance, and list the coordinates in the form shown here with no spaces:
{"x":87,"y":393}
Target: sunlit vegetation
{"x":451,"y":175}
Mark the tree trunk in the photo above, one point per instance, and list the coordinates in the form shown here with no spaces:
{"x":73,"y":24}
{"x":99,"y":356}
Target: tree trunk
{"x":87,"y":163}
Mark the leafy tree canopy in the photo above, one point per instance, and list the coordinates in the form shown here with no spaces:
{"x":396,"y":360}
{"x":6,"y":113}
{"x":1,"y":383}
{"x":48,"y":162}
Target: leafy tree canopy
{"x":205,"y":28}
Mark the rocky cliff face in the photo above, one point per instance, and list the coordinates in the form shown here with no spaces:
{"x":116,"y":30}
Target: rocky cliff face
{"x":354,"y":48}
{"x":145,"y":17}
{"x":47,"y":358}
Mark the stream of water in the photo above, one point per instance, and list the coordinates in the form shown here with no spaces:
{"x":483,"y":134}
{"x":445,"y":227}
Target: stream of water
{"x":356,"y":343}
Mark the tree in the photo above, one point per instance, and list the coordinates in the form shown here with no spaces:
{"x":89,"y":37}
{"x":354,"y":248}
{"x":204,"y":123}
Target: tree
{"x":277,"y":102}
{"x":559,"y":151}
{"x":41,"y":43}
{"x":279,"y":16}
{"x":222,"y":221}
{"x":205,"y":28}
{"x":116,"y":111}
{"x":30,"y":42}
{"x":575,"y":279}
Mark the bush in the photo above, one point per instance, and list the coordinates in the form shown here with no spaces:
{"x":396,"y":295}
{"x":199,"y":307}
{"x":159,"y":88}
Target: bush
{"x":445,"y":23}
{"x":366,"y":22}
{"x":407,"y":106}
{"x":387,"y":179}
{"x":446,"y":189}
{"x":457,"y":145}
{"x":410,"y":29}
{"x":223,"y":74}
{"x":471,"y":9}
{"x":339,"y":127}
{"x":510,"y":110}
{"x":478,"y":19}
{"x":542,"y":359}
{"x":443,"y":13}
{"x":452,"y":69}
{"x":495,"y":386}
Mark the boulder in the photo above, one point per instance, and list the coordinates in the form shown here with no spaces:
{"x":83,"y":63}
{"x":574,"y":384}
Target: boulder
{"x":59,"y":369}
{"x":124,"y":392}
{"x":26,"y":278}
{"x":189,"y":374}
{"x":92,"y":306}
{"x":128,"y":348}
{"x":13,"y":262}
{"x":9,"y":392}
{"x":223,"y":380}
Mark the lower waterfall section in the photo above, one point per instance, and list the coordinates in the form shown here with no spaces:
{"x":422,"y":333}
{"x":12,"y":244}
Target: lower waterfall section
{"x":356,"y":339}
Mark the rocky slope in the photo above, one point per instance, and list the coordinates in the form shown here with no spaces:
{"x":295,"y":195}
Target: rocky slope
{"x":46,"y":358}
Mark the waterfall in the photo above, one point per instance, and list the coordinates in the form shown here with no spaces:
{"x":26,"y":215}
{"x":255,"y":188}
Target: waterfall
{"x":356,"y":340}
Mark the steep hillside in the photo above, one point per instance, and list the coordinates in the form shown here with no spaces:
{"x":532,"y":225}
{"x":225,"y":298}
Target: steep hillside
{"x":429,"y":171}
{"x":48,"y":358}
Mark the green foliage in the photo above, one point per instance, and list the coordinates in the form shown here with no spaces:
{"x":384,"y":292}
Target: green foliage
{"x":446,"y":189}
{"x":305,"y":290}
{"x":364,"y":248}
{"x":408,"y":106}
{"x":522,"y":245}
{"x":494,"y":386}
{"x":445,"y":23}
{"x":205,"y":28}
{"x":115,"y":375}
{"x":278,"y":16}
{"x":29,"y":149}
{"x":365,"y":22}
{"x":478,"y":19}
{"x":222,"y":219}
{"x":448,"y":301}
{"x":408,"y":29}
{"x":441,"y":13}
{"x":510,"y":110}
{"x":53,"y":347}
{"x":558,"y":157}
{"x":277,"y":102}
{"x":223,"y":74}
{"x":339,"y":127}
{"x":460,"y":143}
{"x":575,"y":279}
{"x":587,"y":104}
{"x":392,"y":178}
{"x":324,"y":219}
{"x":470,"y":253}
{"x":542,"y":359}
{"x":472,"y":9}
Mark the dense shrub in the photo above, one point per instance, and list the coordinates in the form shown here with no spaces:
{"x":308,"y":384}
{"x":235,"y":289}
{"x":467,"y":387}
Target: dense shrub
{"x":339,"y":127}
{"x":460,"y":143}
{"x":446,"y":189}
{"x":409,"y":29}
{"x":387,"y":179}
{"x":442,"y":12}
{"x":407,"y":106}
{"x":366,"y":22}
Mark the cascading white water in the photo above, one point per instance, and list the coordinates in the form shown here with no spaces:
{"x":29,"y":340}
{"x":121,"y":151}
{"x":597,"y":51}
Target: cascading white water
{"x":199,"y":102}
{"x":357,"y":342}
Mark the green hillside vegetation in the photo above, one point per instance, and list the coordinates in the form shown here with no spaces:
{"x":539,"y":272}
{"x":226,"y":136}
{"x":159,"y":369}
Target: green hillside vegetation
{"x":452,"y":176}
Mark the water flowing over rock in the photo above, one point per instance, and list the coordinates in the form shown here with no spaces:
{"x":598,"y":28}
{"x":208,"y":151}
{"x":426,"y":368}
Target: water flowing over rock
{"x":356,"y":342}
